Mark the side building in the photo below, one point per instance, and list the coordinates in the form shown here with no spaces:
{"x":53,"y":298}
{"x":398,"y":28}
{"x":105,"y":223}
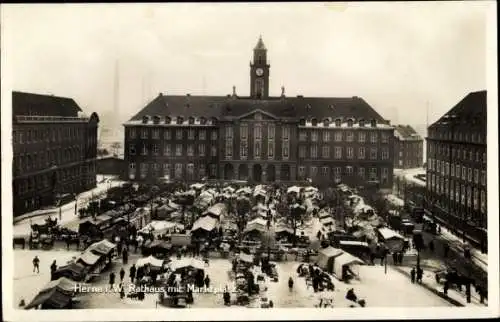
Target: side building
{"x":456,"y":168}
{"x":260,"y":138}
{"x":55,"y":150}
{"x":408,"y":148}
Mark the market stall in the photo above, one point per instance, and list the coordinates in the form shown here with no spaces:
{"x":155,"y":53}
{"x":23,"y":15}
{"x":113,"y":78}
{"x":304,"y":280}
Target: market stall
{"x":392,"y":240}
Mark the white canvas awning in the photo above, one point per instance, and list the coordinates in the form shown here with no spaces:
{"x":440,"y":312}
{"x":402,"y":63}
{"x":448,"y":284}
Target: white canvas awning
{"x":388,"y":234}
{"x":151,"y":260}
{"x":206,"y":223}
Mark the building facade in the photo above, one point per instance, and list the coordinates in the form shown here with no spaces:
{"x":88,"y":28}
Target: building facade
{"x":408,"y":148}
{"x":456,"y":167}
{"x":54,"y":147}
{"x":260,"y":138}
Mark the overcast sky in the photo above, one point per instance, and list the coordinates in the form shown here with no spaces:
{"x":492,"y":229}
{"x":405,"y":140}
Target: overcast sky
{"x":396,"y":56}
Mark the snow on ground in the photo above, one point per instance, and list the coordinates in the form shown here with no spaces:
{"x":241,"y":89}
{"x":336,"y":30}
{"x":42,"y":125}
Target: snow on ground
{"x":377,"y":288}
{"x":26,"y":283}
{"x":390,"y":290}
{"x":22,"y":228}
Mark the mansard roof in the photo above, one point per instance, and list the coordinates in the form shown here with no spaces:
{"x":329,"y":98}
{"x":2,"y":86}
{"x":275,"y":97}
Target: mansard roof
{"x":43,"y":105}
{"x":470,"y":110}
{"x":230,"y":107}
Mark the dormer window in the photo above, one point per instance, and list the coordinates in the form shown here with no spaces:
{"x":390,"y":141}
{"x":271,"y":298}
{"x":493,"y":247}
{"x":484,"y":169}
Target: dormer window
{"x":168,"y":120}
{"x":203,"y":121}
{"x":373,"y":123}
{"x":180,"y":120}
{"x":145,"y":119}
{"x":156,"y":119}
{"x":326,"y":122}
{"x":350,"y":122}
{"x":213,"y":121}
{"x":338,"y":122}
{"x":314,"y":122}
{"x":302,"y":122}
{"x":361,"y":123}
{"x":191,"y":120}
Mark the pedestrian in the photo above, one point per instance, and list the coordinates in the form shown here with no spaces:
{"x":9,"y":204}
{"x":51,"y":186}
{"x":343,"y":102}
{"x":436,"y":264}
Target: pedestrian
{"x":400,"y":258}
{"x":207,"y":281}
{"x":468,"y":292}
{"x":122,"y":291}
{"x":395,"y":258}
{"x":111,"y":279}
{"x":53,"y":269}
{"x":68,"y":242}
{"x":420,"y":274}
{"x":36,"y":264}
{"x":412,"y":275}
{"x":446,"y":287}
{"x":122,"y":274}
{"x":125,"y":256}
{"x":133,"y":270}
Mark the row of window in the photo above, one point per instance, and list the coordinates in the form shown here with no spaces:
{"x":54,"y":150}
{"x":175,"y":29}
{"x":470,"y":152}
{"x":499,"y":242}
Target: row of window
{"x":154,"y":149}
{"x":169,"y":134}
{"x":41,"y":160}
{"x":257,"y":132}
{"x":257,"y":150}
{"x":173,"y":170}
{"x":338,"y":172}
{"x":466,"y":195}
{"x":44,"y":181}
{"x":339,"y":136}
{"x":53,"y":134}
{"x":338,"y":122}
{"x":179,"y":120}
{"x":456,"y":171}
{"x":459,"y":136}
{"x":466,"y":154}
{"x":338,"y":152}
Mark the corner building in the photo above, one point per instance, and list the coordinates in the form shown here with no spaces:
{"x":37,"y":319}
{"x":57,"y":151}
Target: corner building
{"x":456,"y":168}
{"x":54,"y":147}
{"x":260,"y":138}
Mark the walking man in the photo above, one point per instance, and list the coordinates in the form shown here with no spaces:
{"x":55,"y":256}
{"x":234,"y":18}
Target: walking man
{"x":36,"y":264}
{"x":132,"y":273}
{"x":53,"y":269}
{"x":122,"y":274}
{"x":412,"y":275}
{"x":420,"y":273}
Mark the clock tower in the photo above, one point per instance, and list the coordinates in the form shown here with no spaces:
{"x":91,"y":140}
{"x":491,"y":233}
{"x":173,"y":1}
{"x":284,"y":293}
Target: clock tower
{"x":259,"y":72}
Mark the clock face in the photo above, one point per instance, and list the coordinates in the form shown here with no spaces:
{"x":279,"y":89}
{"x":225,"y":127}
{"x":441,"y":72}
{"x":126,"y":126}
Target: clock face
{"x":259,"y":71}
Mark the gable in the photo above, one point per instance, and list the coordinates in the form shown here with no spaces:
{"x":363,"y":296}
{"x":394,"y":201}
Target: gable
{"x":257,"y":115}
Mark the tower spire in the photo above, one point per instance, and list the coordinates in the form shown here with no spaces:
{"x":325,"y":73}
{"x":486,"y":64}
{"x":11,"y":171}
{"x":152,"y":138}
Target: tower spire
{"x":260,"y":44}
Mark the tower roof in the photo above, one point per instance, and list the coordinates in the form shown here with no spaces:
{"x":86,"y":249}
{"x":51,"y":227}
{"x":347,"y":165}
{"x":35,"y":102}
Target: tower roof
{"x":260,"y":44}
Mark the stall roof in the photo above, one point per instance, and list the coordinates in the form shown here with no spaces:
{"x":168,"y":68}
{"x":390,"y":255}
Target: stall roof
{"x":257,"y":221}
{"x":353,"y":243}
{"x":348,"y":259}
{"x":103,"y":247}
{"x":284,"y":229}
{"x":387,"y":234}
{"x":88,"y":258}
{"x":186,"y":262}
{"x":331,"y":252}
{"x":54,"y":298}
{"x":216,"y":210}
{"x":157,"y":243}
{"x":245,"y":258}
{"x":63,"y":284}
{"x":206,"y":223}
{"x":151,"y":260}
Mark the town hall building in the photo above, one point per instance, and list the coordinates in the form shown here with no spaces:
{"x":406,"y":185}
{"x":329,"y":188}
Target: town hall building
{"x":260,"y":138}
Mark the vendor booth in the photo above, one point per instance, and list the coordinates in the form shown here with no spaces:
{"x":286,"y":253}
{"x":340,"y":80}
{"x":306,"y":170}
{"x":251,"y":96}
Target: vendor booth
{"x":392,"y":240}
{"x":345,"y":266}
{"x":326,"y":258}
